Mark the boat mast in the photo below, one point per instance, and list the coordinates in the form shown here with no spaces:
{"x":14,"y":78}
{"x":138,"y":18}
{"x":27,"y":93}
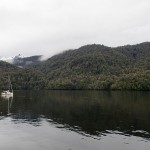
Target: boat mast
{"x":10,"y":85}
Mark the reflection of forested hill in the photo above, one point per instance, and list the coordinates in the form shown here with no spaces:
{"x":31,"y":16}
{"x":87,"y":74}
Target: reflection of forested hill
{"x":92,"y":112}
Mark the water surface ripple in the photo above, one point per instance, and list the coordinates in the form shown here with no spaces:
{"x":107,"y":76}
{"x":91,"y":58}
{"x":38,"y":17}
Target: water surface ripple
{"x":75,"y":120}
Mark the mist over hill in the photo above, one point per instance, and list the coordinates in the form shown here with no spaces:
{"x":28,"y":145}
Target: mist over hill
{"x":21,"y":60}
{"x":89,"y":67}
{"x":99,"y":67}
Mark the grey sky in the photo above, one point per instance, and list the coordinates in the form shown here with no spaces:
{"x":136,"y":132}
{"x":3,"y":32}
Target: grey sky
{"x":47,"y":27}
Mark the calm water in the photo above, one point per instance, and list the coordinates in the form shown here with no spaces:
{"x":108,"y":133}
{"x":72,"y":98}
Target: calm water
{"x":75,"y":120}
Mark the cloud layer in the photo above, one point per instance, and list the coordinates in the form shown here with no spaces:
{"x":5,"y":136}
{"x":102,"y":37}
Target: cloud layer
{"x":47,"y":27}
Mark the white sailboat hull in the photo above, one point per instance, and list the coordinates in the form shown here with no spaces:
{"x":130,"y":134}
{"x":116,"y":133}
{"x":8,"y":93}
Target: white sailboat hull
{"x":7,"y":93}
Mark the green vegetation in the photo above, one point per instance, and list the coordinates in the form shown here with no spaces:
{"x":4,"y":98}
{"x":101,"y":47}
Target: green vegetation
{"x":21,"y":78}
{"x":89,"y":67}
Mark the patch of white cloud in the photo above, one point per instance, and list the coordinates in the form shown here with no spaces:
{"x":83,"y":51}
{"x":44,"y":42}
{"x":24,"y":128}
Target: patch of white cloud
{"x":46,"y":27}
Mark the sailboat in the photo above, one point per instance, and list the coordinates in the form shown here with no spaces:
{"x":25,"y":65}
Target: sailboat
{"x":8,"y":92}
{"x":8,"y":98}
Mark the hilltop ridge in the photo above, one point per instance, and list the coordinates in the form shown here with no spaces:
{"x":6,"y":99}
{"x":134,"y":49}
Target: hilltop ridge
{"x":99,"y":67}
{"x":88,"y":67}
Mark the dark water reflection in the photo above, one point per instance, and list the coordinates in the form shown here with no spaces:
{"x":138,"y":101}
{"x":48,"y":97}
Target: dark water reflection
{"x":93,"y":114}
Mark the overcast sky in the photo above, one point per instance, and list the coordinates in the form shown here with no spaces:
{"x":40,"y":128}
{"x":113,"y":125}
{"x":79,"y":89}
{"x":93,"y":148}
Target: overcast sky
{"x":47,"y":27}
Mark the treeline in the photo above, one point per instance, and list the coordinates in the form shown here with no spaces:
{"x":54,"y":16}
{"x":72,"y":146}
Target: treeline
{"x":89,"y":67}
{"x":99,"y":67}
{"x":22,"y":78}
{"x":133,"y":81}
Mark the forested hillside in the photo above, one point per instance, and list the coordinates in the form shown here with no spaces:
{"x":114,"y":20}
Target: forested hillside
{"x":89,"y":67}
{"x":18,"y":61}
{"x":99,"y":67}
{"x":21,"y":78}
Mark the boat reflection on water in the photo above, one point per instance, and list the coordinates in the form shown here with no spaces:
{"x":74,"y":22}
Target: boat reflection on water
{"x":8,"y":98}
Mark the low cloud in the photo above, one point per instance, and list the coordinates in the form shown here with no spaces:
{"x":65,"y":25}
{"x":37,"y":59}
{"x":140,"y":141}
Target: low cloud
{"x":32,"y":27}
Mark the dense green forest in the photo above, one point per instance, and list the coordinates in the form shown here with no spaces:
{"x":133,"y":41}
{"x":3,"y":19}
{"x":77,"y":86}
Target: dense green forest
{"x":89,"y":67}
{"x":21,"y":78}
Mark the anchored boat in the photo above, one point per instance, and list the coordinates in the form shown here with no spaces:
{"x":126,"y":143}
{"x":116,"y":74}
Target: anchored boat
{"x":8,"y":92}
